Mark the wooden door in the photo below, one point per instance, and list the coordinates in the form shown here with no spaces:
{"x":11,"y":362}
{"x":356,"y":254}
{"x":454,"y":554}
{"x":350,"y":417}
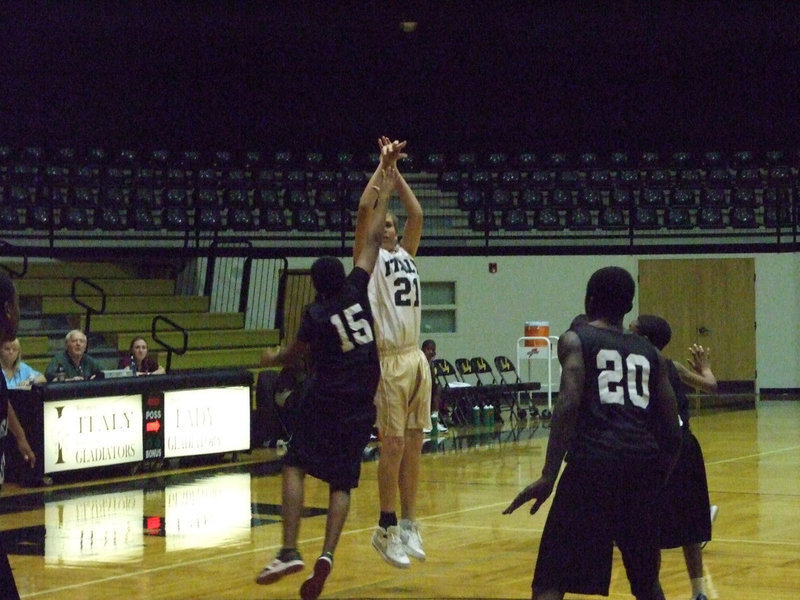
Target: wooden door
{"x":709,"y":302}
{"x":298,"y":293}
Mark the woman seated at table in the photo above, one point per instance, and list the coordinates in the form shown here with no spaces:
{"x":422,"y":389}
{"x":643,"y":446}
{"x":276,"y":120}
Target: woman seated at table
{"x":18,"y":374}
{"x":137,"y":353}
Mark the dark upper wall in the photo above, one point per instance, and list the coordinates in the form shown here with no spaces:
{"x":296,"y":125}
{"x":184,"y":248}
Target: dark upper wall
{"x":313,"y":74}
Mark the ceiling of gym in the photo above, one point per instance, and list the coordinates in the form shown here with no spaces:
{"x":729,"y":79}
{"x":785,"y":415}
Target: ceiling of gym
{"x":320,"y":74}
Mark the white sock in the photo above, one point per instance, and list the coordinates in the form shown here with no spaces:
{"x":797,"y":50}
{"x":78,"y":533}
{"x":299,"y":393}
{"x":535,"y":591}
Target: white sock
{"x":698,"y":586}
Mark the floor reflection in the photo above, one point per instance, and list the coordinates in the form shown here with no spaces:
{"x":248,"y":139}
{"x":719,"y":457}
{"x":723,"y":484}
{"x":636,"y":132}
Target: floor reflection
{"x":465,"y":438}
{"x":104,"y":525}
{"x":190,"y":510}
{"x":101,"y":528}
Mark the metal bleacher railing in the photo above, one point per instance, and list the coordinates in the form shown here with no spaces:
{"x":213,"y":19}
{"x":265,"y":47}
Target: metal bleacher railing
{"x":522,"y":203}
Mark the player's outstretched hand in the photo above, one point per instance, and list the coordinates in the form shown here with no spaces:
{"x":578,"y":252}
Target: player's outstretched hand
{"x":391,"y":151}
{"x":699,"y":358}
{"x":539,"y":490}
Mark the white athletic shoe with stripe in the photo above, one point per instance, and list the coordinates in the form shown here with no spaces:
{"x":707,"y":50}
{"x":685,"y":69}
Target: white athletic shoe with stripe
{"x":412,"y":540}
{"x":389,"y":545}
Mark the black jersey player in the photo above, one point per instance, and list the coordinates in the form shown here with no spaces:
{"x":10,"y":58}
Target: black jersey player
{"x":616,"y":424}
{"x":687,"y":514}
{"x":337,"y":412}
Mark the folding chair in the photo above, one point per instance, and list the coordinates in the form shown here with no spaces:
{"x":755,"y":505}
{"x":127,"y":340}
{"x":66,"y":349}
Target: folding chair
{"x":498,"y":394}
{"x":456,"y":394}
{"x":483,"y":393}
{"x":522,"y":391}
{"x":466,"y":373}
{"x":483,"y":371}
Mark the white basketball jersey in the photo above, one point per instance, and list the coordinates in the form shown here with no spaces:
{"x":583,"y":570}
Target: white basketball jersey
{"x":395,"y":296}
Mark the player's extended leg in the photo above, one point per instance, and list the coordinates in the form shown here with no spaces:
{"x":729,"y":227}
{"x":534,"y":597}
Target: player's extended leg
{"x":292,"y":504}
{"x":391,"y":455}
{"x":386,"y":538}
{"x":409,"y":473}
{"x":288,"y":560}
{"x":338,"y":507}
{"x":409,"y":483}
{"x":693,"y":555}
{"x":694,"y":560}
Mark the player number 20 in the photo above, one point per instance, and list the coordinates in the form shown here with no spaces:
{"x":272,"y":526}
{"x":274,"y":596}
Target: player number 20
{"x":617,"y":375}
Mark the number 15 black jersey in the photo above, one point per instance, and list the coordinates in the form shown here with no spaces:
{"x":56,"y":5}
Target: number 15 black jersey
{"x":344,"y":357}
{"x":614,"y":419}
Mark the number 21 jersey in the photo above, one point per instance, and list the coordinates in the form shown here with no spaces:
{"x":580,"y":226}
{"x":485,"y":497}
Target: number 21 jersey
{"x":394,"y":294}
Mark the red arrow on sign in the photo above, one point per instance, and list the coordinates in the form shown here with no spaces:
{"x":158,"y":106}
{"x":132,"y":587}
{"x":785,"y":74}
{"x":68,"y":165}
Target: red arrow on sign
{"x":152,"y":426}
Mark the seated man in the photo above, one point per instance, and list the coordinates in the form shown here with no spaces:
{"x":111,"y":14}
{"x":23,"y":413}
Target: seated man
{"x":73,"y":361}
{"x":438,"y":407}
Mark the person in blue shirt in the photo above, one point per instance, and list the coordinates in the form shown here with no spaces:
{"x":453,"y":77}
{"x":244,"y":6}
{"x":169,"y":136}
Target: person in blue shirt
{"x":18,"y":374}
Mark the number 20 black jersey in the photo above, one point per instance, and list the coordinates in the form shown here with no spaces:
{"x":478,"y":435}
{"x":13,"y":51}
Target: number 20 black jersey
{"x":613,"y":422}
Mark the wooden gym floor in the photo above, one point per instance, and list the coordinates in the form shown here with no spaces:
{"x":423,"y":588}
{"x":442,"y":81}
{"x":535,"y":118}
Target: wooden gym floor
{"x":205,"y":532}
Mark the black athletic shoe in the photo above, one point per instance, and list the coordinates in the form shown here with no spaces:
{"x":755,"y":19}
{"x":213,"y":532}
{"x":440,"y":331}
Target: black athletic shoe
{"x":312,"y":587}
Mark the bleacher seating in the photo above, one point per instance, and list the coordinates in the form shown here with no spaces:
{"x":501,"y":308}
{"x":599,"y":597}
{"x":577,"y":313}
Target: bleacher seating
{"x":157,"y":194}
{"x":215,"y":339}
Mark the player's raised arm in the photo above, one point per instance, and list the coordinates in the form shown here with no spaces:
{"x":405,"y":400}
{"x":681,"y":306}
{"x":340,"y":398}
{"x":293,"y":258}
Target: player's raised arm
{"x":390,"y":153}
{"x":412,"y":231}
{"x":368,"y":253}
{"x":700,"y":376}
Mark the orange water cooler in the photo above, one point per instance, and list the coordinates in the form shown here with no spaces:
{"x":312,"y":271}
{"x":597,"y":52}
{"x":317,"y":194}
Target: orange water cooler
{"x":537,"y":329}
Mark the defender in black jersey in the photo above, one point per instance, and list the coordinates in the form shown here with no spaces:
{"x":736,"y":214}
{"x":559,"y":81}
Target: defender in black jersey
{"x":9,"y":322}
{"x":686,"y":516}
{"x":616,"y":424}
{"x":337,"y":411}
